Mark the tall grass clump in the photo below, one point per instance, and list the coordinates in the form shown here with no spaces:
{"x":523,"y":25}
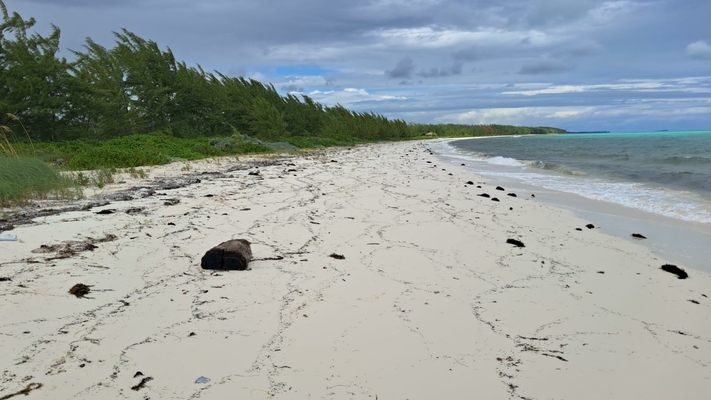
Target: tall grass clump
{"x":6,"y":133}
{"x":23,"y":179}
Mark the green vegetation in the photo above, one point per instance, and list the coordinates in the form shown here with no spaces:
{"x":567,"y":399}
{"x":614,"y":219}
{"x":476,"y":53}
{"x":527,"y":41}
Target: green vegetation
{"x":134,"y":104}
{"x":22,"y":179}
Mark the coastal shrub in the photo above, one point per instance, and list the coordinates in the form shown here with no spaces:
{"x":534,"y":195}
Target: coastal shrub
{"x":222,"y":144}
{"x":24,"y":178}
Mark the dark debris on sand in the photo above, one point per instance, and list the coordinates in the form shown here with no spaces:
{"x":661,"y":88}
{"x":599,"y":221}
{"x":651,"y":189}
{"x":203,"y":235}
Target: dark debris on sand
{"x":638,"y":236}
{"x":80,"y":290}
{"x":337,"y":256}
{"x":515,"y":242}
{"x":673,"y":269}
{"x":26,"y":391}
{"x":142,"y":383}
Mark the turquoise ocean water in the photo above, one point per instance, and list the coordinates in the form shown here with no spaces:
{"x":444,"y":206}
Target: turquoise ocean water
{"x":665,"y":173}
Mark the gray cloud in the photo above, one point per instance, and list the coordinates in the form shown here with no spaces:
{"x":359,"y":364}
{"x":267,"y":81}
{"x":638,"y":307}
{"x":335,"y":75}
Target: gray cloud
{"x":547,"y":12}
{"x":699,"y":49}
{"x":403,"y":69}
{"x":468,"y":54}
{"x":292,"y":88}
{"x":545,"y":66}
{"x":434,"y":72}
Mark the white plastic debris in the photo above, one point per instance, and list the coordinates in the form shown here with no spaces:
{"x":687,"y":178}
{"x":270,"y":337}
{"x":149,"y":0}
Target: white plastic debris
{"x":6,"y":237}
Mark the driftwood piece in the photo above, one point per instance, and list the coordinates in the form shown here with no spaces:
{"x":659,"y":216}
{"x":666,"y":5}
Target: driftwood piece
{"x":230,"y":255}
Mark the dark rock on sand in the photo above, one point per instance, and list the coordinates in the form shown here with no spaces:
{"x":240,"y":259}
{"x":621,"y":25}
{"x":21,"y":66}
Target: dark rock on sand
{"x":638,"y":236}
{"x":478,"y":186}
{"x":579,"y":229}
{"x":253,"y":173}
{"x":500,"y":188}
{"x":230,"y":255}
{"x":515,"y":242}
{"x":533,"y":195}
{"x":494,"y":199}
{"x":484,"y":195}
{"x":463,"y":165}
{"x":470,"y":183}
{"x":673,"y":269}
{"x":510,"y":208}
{"x":106,"y":211}
{"x":5,"y":279}
{"x":694,"y":301}
{"x":512,"y":194}
{"x":337,"y":256}
{"x":80,"y":290}
{"x":590,"y":226}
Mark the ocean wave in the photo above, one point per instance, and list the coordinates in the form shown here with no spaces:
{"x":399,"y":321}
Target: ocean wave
{"x":498,"y":160}
{"x":550,"y":166}
{"x":669,"y":203}
{"x":684,"y":160}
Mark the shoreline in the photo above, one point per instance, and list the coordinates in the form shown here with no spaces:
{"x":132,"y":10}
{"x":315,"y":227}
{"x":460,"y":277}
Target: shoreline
{"x":668,"y":237}
{"x":429,"y":302}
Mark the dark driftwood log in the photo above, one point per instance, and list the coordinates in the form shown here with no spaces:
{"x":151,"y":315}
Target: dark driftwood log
{"x":230,"y":255}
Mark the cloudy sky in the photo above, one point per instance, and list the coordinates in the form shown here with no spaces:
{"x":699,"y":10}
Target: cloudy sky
{"x":576,"y":64}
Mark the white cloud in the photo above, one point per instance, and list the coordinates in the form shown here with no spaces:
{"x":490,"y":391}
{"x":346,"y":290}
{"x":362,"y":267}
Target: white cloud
{"x":563,"y":115}
{"x":351,"y":96}
{"x":518,"y":115}
{"x":434,"y":37}
{"x":700,"y":50}
{"x":687,"y":85}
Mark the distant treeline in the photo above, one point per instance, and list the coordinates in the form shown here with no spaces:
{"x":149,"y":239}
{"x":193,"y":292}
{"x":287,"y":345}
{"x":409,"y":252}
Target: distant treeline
{"x":137,"y":88}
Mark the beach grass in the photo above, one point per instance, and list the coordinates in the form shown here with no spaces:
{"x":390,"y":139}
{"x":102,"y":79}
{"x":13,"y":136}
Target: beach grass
{"x":25,"y":178}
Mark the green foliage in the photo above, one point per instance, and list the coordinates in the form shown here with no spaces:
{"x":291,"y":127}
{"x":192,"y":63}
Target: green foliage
{"x":23,"y":179}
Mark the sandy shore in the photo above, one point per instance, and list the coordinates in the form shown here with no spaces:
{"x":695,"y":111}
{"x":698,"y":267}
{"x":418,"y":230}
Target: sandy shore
{"x":430,"y":301}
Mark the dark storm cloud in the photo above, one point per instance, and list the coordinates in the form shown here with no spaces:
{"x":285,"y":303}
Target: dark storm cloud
{"x":403,"y":68}
{"x":434,"y":72}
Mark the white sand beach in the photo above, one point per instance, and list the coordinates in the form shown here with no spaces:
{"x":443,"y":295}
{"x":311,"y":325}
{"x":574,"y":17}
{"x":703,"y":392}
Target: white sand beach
{"x":430,"y":301}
